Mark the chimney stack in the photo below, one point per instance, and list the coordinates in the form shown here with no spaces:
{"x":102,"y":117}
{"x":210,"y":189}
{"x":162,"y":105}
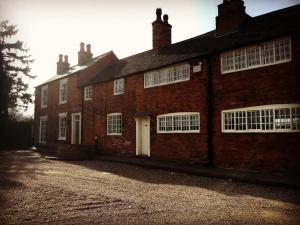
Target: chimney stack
{"x":161,"y":31}
{"x":62,"y":66}
{"x":231,"y":14}
{"x":84,"y":56}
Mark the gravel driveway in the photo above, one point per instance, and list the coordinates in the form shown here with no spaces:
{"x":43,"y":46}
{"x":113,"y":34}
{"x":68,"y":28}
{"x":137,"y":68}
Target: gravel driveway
{"x":34,"y":190}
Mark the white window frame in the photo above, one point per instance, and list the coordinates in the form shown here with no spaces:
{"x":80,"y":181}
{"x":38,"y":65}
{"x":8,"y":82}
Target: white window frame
{"x":43,"y":119}
{"x":62,"y":116}
{"x":261,"y":108}
{"x":61,"y":86}
{"x":88,"y":93}
{"x":262,"y":61}
{"x":119,"y":86}
{"x":112,"y":115}
{"x":178,"y":115}
{"x":167,"y":75}
{"x":44,"y":97}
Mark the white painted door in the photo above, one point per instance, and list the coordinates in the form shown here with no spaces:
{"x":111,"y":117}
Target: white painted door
{"x":76,"y":128}
{"x":143,"y":136}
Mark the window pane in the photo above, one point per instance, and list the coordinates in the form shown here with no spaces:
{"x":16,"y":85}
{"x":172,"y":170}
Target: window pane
{"x":253,"y":56}
{"x":267,"y":119}
{"x":227,"y":61}
{"x":267,"y":52}
{"x":239,"y":59}
{"x":185,"y":123}
{"x":177,"y":122}
{"x":240,"y":120}
{"x":253,"y":119}
{"x":162,"y":123}
{"x":296,"y":118}
{"x":194,"y":121}
{"x":169,"y":123}
{"x":282,"y":119}
{"x":282,"y":49}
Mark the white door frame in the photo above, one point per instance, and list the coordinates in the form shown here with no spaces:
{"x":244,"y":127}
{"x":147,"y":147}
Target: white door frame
{"x":73,"y":125}
{"x":138,"y":144}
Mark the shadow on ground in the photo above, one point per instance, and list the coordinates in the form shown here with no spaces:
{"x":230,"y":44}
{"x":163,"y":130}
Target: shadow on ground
{"x":226,"y":187}
{"x":13,"y":163}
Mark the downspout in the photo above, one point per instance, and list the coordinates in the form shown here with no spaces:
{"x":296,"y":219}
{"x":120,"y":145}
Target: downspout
{"x":82,"y":102}
{"x":210,"y":114}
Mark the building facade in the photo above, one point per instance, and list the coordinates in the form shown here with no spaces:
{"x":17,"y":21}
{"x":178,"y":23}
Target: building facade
{"x":229,"y":98}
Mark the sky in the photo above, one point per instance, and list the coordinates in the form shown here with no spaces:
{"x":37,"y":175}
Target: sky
{"x":53,"y":27}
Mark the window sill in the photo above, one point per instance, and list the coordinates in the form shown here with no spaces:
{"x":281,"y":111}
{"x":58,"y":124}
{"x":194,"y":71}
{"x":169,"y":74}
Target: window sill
{"x":118,"y":93}
{"x":61,"y":139}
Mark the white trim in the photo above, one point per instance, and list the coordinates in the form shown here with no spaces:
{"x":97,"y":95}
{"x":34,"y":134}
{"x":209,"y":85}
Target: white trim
{"x":73,"y":128}
{"x":261,"y":62}
{"x":62,"y":115}
{"x":178,"y":131}
{"x":88,"y":93}
{"x":61,"y":83}
{"x":113,"y":114}
{"x":260,"y":130}
{"x":42,"y":118}
{"x":42,"y":96}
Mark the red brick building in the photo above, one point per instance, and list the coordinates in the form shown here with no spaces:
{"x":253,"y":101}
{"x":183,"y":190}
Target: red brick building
{"x":229,"y":98}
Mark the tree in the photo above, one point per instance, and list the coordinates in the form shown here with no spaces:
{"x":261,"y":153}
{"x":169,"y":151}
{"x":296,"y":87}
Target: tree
{"x":14,"y":67}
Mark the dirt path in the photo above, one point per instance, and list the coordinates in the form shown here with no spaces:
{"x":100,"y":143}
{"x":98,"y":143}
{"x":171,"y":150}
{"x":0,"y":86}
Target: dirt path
{"x":34,"y":190}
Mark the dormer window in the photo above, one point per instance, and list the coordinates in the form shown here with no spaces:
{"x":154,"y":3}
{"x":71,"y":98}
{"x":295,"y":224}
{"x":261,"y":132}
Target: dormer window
{"x":63,"y":91}
{"x":119,"y":86}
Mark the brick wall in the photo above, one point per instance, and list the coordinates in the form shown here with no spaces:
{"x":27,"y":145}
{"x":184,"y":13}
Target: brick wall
{"x":277,"y":84}
{"x":74,"y":103}
{"x":187,"y":96}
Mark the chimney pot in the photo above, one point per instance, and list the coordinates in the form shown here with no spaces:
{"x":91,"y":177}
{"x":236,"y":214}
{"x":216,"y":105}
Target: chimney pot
{"x":66,"y":59}
{"x":166,"y":18}
{"x":158,"y":14}
{"x":60,"y":58}
{"x":88,"y":48}
{"x":81,"y":47}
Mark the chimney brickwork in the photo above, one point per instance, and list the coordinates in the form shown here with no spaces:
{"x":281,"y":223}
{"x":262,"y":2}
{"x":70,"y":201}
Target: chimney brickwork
{"x":62,"y":66}
{"x":84,"y":56}
{"x":161,"y":31}
{"x":231,"y":14}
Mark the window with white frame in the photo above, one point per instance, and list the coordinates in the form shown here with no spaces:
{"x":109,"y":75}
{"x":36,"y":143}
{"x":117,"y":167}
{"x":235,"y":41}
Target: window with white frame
{"x":264,"y":54}
{"x":63,"y":91}
{"x":266,"y":118}
{"x":44,"y":96}
{"x":88,"y":92}
{"x":43,"y":129}
{"x":167,"y":75}
{"x":119,"y":86}
{"x":62,"y":126}
{"x":114,"y":124}
{"x":183,"y":122}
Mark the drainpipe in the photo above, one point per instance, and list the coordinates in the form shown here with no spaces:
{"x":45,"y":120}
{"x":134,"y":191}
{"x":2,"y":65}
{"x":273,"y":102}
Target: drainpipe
{"x":82,"y":102}
{"x":210,"y":114}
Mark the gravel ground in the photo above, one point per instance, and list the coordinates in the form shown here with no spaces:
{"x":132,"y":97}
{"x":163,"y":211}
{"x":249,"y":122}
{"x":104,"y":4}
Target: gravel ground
{"x":34,"y":190}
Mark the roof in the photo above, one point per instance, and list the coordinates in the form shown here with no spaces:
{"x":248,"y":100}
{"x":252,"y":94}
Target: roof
{"x":76,"y":68}
{"x":271,"y":25}
{"x":260,"y":28}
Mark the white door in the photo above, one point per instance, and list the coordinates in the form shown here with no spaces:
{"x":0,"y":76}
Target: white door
{"x":76,"y":128}
{"x":143,"y":136}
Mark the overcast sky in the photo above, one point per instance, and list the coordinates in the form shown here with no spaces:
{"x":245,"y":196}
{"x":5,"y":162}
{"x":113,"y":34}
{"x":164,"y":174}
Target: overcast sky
{"x":51,"y":27}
